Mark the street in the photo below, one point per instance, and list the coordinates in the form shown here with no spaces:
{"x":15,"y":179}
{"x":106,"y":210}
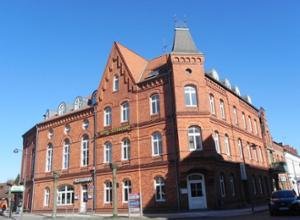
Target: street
{"x":257,"y":216}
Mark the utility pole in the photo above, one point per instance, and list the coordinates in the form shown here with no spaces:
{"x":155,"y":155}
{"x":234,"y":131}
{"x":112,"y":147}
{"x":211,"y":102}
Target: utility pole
{"x":9,"y":199}
{"x":114,"y":192}
{"x":55,"y":176}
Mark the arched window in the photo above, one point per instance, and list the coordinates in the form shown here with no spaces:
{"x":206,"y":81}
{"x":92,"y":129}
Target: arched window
{"x":255,"y":127}
{"x":156,"y":144}
{"x":49,"y":158}
{"x":222,"y":109}
{"x":85,"y":150}
{"x":126,"y":190}
{"x":107,"y":116}
{"x":240,"y":146}
{"x":125,"y":112}
{"x":78,"y":103}
{"x":235,"y":116}
{"x":108,"y":192}
{"x":46,"y":197}
{"x":212,"y":104}
{"x":190,"y":96}
{"x":217,"y":142}
{"x":116,"y":83}
{"x":232,"y":185}
{"x":66,"y":154}
{"x":227,"y":145}
{"x":160,"y":191}
{"x":65,"y":195}
{"x":62,"y":109}
{"x":244,"y":121}
{"x":250,"y":124}
{"x":107,"y":152}
{"x":195,"y":139}
{"x":154,"y":104}
{"x":125,"y":149}
{"x":222,"y":185}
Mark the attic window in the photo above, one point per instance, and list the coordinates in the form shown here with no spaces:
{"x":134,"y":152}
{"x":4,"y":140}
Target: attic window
{"x":188,"y":70}
{"x":152,"y":74}
{"x":116,"y":83}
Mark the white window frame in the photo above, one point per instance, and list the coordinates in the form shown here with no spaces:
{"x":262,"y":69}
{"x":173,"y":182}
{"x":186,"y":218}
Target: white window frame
{"x":190,"y":95}
{"x":244,"y":120}
{"x":107,"y":192}
{"x":64,"y":193}
{"x":126,"y":149}
{"x":156,"y":143}
{"x":66,"y":154}
{"x":227,"y":145}
{"x":195,"y":138}
{"x":125,"y":112}
{"x":216,"y":137}
{"x":222,"y":186}
{"x":107,"y":152}
{"x":235,"y":116}
{"x":159,"y":187}
{"x":116,"y":83}
{"x":46,"y":197}
{"x":222,"y":109}
{"x":84,"y":151}
{"x":107,"y":116}
{"x":212,"y":104}
{"x":154,"y":104}
{"x":126,"y":190}
{"x":49,"y":158}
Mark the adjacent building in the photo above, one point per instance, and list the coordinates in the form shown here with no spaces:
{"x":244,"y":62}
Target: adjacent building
{"x":180,"y":136}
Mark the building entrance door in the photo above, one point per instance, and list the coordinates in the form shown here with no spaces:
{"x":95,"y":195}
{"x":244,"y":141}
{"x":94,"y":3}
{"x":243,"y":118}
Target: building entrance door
{"x":196,"y":191}
{"x":83,"y":198}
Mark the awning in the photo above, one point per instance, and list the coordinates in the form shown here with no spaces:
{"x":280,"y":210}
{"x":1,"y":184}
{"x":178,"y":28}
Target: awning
{"x":16,"y":189}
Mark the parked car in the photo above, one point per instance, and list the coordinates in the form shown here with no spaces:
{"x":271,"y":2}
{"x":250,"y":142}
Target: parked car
{"x":284,"y":201}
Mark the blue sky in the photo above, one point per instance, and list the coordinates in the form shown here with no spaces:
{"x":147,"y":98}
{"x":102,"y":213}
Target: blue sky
{"x":52,"y":51}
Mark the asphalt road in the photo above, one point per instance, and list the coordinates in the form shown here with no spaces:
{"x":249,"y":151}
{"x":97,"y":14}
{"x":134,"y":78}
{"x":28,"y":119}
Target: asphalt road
{"x":257,"y":216}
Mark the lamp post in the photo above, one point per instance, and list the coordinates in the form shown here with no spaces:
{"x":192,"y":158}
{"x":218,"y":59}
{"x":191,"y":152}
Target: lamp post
{"x":55,"y":177}
{"x":23,"y":175}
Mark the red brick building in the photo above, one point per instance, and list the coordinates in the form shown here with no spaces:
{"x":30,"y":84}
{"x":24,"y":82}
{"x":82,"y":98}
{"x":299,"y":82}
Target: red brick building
{"x":180,"y":136}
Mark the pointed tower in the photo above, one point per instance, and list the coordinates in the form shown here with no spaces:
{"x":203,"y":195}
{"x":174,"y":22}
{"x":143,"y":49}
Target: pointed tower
{"x":183,"y":42}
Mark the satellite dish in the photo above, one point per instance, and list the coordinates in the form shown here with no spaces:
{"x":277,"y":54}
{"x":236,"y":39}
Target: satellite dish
{"x":227,"y":83}
{"x":237,"y":90}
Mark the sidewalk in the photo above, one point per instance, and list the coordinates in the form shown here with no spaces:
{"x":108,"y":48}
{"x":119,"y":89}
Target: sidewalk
{"x":156,"y":216}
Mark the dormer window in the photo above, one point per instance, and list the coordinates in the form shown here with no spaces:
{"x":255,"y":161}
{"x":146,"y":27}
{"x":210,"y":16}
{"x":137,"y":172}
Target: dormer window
{"x":78,"y":103}
{"x":61,"y":108}
{"x":116,"y":83}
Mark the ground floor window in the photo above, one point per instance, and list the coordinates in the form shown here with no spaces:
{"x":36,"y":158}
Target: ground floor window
{"x":126,"y":190}
{"x":65,"y":195}
{"x":160,"y":194}
{"x":108,"y":192}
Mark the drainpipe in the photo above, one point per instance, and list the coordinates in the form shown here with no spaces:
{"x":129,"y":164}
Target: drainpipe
{"x":94,"y":156}
{"x":35,"y":156}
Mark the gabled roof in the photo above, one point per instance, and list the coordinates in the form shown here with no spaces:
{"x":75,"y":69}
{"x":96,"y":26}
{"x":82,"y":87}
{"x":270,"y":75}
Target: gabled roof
{"x":135,"y":63}
{"x":183,"y":41}
{"x":154,"y":65}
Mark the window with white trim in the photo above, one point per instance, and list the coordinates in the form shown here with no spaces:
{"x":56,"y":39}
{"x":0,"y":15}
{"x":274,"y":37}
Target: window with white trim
{"x":190,"y":96}
{"x":65,"y":195}
{"x":126,"y":149}
{"x":250,"y":124}
{"x":107,"y":152}
{"x":160,"y":191}
{"x":46,"y":197}
{"x":222,"y":185}
{"x":244,"y":120}
{"x":107,"y":117}
{"x":227,"y":145}
{"x":116,"y":83}
{"x":66,"y":154}
{"x":85,"y":150}
{"x":235,"y":116}
{"x":212,"y":104}
{"x":108,"y":192}
{"x":195,"y":139}
{"x":217,"y":142}
{"x":154,"y":104}
{"x":126,"y":190}
{"x":240,"y":146}
{"x":49,"y":158}
{"x":156,"y":142}
{"x":125,"y":112}
{"x":222,"y":109}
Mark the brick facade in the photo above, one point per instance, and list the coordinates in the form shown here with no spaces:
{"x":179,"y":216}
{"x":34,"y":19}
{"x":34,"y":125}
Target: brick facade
{"x":177,"y":164}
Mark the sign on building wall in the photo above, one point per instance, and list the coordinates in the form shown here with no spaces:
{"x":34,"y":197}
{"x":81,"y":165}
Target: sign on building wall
{"x":134,"y":205}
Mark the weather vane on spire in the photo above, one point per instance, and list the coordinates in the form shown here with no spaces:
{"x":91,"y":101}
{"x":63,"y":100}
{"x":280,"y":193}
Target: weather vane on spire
{"x":180,"y":23}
